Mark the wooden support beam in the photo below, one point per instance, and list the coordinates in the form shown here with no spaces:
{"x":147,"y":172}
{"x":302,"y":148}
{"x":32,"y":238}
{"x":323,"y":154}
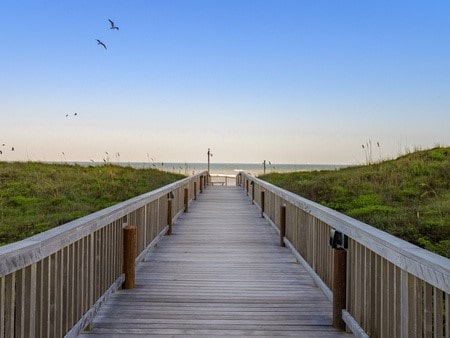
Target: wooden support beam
{"x":253,"y":192}
{"x":129,"y":255}
{"x":282,"y":225}
{"x":263,"y":200}
{"x":339,"y":286}
{"x":169,"y":217}
{"x":186,"y":199}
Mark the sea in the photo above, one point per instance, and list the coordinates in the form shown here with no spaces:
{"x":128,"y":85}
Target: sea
{"x":229,"y":169}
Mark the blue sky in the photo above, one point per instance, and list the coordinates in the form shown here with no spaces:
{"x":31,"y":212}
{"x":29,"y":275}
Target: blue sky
{"x":286,"y":81}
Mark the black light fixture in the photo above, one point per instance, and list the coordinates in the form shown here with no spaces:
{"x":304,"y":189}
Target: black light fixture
{"x":338,"y":240}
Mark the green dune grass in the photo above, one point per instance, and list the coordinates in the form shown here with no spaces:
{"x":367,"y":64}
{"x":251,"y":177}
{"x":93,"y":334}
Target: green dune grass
{"x":35,"y":197}
{"x":408,"y":197}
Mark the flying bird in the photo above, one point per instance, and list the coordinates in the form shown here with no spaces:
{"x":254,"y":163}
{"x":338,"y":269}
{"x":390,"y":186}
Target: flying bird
{"x":113,"y":26}
{"x":101,"y":43}
{"x":75,"y":114}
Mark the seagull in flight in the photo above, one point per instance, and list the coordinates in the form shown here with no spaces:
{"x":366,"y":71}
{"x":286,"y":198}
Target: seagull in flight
{"x":113,"y":26}
{"x":101,"y":43}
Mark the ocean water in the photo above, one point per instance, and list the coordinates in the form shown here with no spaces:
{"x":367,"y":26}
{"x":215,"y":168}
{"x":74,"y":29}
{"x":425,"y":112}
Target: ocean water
{"x":225,"y":168}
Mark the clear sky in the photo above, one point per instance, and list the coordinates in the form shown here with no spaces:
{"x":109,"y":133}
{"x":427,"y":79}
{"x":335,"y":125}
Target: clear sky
{"x":286,"y":81}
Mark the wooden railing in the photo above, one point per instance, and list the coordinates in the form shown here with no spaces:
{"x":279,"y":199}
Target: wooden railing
{"x":391,"y":288}
{"x":52,"y":284}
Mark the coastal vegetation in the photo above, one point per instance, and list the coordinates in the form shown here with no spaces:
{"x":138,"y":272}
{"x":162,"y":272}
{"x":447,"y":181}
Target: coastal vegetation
{"x":408,"y":197}
{"x":35,"y":197}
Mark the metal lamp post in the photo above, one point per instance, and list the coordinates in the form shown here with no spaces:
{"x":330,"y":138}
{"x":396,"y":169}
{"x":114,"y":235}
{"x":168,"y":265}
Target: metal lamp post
{"x":209,"y":155}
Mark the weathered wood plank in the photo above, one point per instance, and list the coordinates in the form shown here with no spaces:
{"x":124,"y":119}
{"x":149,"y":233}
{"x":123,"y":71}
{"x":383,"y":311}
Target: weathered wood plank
{"x":221,"y":273}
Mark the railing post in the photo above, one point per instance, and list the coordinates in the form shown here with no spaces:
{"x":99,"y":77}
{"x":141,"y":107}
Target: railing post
{"x":186,"y":199}
{"x":169,"y":217}
{"x":263,"y":200}
{"x":201,"y":184}
{"x":246,"y":186}
{"x":339,"y":286}
{"x":195,"y":190}
{"x":253,"y":192}
{"x":129,"y":255}
{"x":282,"y":225}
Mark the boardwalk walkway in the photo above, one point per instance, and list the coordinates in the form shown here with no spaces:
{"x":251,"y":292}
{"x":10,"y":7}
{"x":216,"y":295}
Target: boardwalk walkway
{"x":222,"y":273}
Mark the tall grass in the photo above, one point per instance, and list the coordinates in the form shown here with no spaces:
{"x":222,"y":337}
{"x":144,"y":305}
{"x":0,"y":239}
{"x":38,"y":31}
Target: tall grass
{"x":408,"y":197}
{"x":35,"y":197}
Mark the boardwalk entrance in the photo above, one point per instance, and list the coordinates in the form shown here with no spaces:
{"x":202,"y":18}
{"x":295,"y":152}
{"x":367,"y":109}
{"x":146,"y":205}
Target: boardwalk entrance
{"x":221,"y":273}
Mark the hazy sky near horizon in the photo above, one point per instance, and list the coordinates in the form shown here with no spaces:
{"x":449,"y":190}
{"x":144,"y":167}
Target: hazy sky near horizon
{"x":286,"y":81}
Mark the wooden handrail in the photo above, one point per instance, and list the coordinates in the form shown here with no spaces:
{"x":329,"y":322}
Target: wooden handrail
{"x":394,"y":288}
{"x":51,"y":284}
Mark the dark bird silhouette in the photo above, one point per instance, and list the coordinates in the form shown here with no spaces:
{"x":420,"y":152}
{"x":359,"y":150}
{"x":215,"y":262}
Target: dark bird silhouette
{"x":101,"y":43}
{"x":75,"y":114}
{"x":12,"y":149}
{"x":113,"y":26}
{"x":1,"y":152}
{"x":67,"y":115}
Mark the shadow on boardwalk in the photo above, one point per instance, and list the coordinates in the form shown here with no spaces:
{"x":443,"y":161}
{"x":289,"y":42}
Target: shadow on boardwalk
{"x":221,"y":273}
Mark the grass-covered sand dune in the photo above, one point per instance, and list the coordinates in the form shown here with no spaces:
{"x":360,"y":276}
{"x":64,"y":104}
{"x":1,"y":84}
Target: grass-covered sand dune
{"x":408,"y":197}
{"x":35,"y":197}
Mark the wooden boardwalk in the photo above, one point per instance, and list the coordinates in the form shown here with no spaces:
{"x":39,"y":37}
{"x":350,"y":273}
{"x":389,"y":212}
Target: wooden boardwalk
{"x":221,"y":273}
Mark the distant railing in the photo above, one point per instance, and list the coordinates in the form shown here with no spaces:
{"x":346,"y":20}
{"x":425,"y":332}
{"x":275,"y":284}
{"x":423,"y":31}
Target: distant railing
{"x":390,"y":288}
{"x":52,"y":284}
{"x":222,"y":179}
